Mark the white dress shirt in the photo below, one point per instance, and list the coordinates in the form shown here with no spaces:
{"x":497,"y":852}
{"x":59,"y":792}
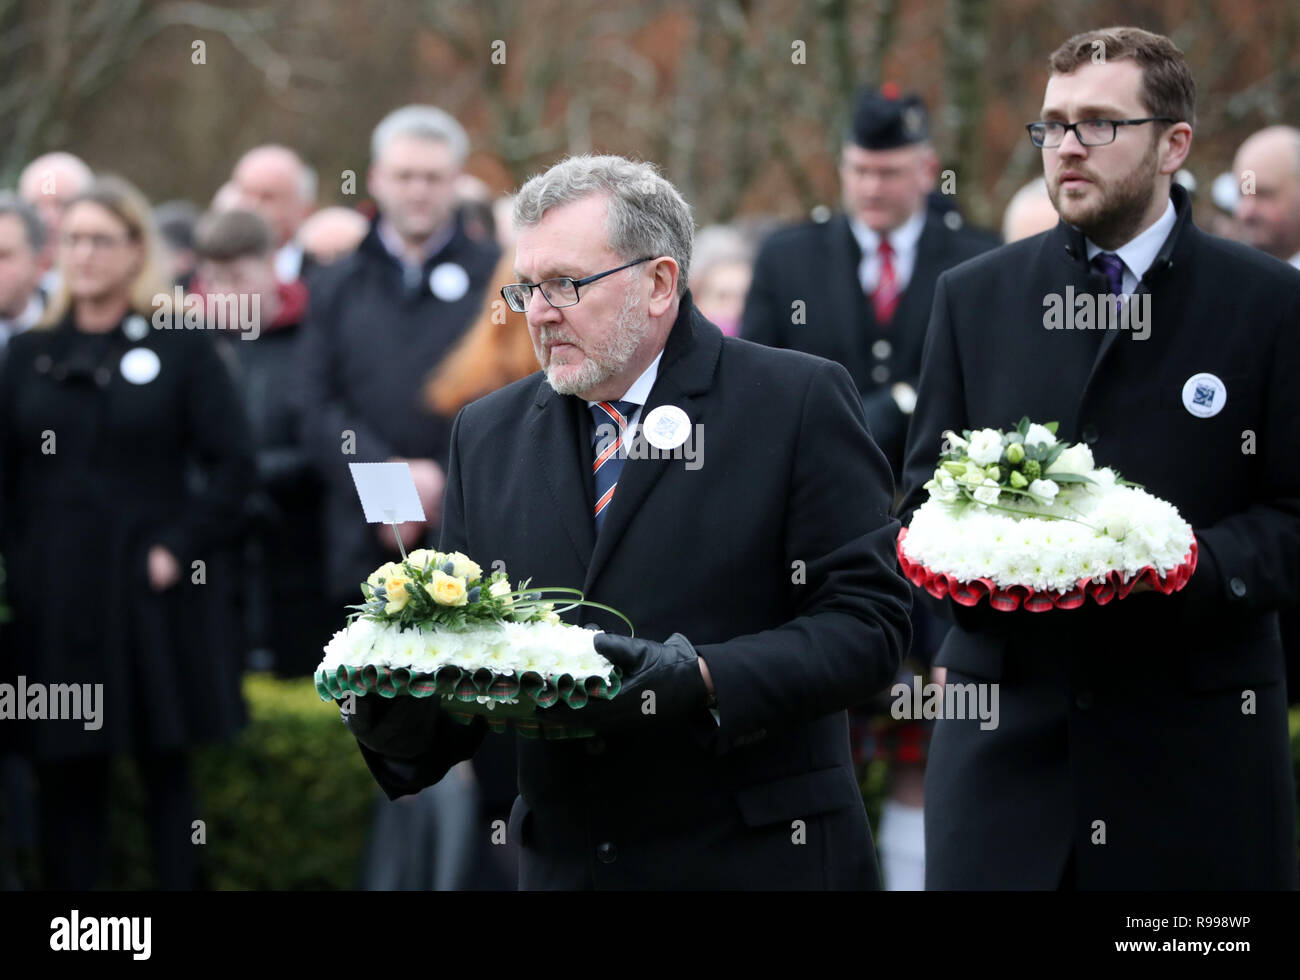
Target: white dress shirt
{"x":902,"y":240}
{"x":1138,"y":254}
{"x":638,"y":392}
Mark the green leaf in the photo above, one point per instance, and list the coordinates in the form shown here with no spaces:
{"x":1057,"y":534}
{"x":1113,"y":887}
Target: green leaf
{"x":1023,"y":425}
{"x":1062,"y":478}
{"x":1051,"y":427}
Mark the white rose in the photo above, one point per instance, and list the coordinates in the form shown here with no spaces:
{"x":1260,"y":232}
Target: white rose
{"x":1043,"y":491}
{"x":1076,"y":459}
{"x":985,"y":446}
{"x":944,"y":490}
{"x":988,"y":493}
{"x":498,"y":589}
{"x":1117,"y":527}
{"x":1037,"y":434}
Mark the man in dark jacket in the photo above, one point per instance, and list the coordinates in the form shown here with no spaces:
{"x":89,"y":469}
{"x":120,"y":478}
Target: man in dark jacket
{"x":757,"y":569}
{"x":380,"y":321}
{"x":1142,"y":744}
{"x":287,"y":616}
{"x":857,"y":288}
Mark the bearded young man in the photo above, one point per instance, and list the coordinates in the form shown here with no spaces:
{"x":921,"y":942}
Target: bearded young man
{"x":762,"y":583}
{"x":1142,"y":744}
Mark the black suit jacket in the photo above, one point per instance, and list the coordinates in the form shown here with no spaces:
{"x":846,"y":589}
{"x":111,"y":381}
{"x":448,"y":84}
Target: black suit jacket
{"x":774,"y":557}
{"x":1164,"y":718}
{"x":817,"y":264}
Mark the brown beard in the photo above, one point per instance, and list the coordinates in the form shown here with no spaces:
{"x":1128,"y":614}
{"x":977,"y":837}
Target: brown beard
{"x":1116,"y":218}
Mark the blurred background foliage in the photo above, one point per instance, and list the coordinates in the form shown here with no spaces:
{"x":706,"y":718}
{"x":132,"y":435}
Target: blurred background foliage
{"x":741,"y":101}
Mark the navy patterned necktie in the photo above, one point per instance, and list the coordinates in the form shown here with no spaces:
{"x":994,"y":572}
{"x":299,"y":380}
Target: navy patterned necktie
{"x":609,"y":424}
{"x":1111,"y":266}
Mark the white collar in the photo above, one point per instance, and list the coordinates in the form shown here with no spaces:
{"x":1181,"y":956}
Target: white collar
{"x":1139,"y":253}
{"x":288,"y":262}
{"x":902,"y":239}
{"x":639,"y":392}
{"x":1295,"y":260}
{"x":29,"y":317}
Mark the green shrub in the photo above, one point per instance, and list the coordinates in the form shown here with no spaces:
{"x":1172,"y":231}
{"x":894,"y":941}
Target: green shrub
{"x":286,"y":806}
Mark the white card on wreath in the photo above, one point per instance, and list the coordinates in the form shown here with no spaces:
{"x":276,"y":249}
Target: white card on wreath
{"x":387,"y":492}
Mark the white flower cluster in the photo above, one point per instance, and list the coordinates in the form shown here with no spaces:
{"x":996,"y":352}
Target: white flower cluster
{"x":508,"y":648}
{"x":1127,"y":530}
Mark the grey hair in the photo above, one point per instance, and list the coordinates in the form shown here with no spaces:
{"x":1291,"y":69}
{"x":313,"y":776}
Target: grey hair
{"x":426,"y":121}
{"x":647,"y":215}
{"x":33,"y":226}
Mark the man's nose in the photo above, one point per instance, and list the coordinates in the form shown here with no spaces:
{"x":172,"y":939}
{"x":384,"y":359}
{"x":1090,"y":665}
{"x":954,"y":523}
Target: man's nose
{"x":1070,"y":145}
{"x":539,"y":308}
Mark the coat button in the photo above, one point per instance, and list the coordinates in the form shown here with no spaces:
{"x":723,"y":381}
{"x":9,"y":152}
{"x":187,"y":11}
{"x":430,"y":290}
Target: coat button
{"x":1084,"y":700}
{"x":595,"y":746}
{"x":880,"y":374}
{"x":1090,"y":434}
{"x":881,"y":350}
{"x":606,"y":853}
{"x":1238,"y":587}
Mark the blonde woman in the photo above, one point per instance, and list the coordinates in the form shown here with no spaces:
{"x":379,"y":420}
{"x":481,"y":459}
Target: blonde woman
{"x":118,"y":570}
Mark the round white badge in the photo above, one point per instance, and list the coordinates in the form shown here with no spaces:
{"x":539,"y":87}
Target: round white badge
{"x":449,"y":282}
{"x":135,"y":327}
{"x":140,"y":365}
{"x":1204,"y":395}
{"x":667,"y":427}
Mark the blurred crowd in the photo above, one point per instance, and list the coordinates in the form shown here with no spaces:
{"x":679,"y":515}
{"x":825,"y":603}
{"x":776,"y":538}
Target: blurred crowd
{"x":204,"y":472}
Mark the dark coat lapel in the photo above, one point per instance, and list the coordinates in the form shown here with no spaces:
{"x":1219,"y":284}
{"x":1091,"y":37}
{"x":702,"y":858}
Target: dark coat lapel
{"x":560,"y":431}
{"x":856,"y":320}
{"x":686,"y":369}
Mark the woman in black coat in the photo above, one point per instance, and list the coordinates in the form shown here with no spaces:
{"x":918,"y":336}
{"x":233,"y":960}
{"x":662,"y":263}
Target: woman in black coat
{"x":125,"y":459}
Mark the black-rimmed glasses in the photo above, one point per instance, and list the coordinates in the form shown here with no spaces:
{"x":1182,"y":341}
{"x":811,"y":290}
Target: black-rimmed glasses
{"x":559,"y":292}
{"x":1089,"y":132}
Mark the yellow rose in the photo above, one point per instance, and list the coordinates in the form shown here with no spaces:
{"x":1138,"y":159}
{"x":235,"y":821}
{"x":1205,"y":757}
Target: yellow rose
{"x":384,"y":571}
{"x":423,"y":558}
{"x":395,"y":590}
{"x":447,"y":590}
{"x":463,"y":567}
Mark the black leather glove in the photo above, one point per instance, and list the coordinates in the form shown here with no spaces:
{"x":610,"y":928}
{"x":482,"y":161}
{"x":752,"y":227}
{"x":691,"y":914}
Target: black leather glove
{"x":661,"y":684}
{"x":402,"y":726}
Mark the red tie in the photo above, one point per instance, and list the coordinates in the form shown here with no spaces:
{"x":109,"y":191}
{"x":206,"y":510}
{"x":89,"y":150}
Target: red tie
{"x":885,"y":299}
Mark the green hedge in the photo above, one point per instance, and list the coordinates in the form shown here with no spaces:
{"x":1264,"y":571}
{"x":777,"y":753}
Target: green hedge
{"x":288,"y":805}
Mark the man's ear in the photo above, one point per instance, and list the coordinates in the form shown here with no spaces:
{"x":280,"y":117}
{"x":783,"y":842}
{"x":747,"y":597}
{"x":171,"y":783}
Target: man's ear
{"x":928,"y":165}
{"x":664,"y":288}
{"x":1176,"y":144}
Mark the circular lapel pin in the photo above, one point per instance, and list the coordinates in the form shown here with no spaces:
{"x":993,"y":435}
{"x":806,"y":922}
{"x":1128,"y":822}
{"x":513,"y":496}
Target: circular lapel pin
{"x":667,"y":427}
{"x":140,"y":365}
{"x":1204,"y":395}
{"x":135,"y":328}
{"x":449,"y":282}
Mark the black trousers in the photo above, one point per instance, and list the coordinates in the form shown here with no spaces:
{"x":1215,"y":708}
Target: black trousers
{"x":73,"y":800}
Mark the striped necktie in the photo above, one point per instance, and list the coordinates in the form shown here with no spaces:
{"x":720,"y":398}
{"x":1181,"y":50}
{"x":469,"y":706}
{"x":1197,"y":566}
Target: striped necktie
{"x":609,"y":424}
